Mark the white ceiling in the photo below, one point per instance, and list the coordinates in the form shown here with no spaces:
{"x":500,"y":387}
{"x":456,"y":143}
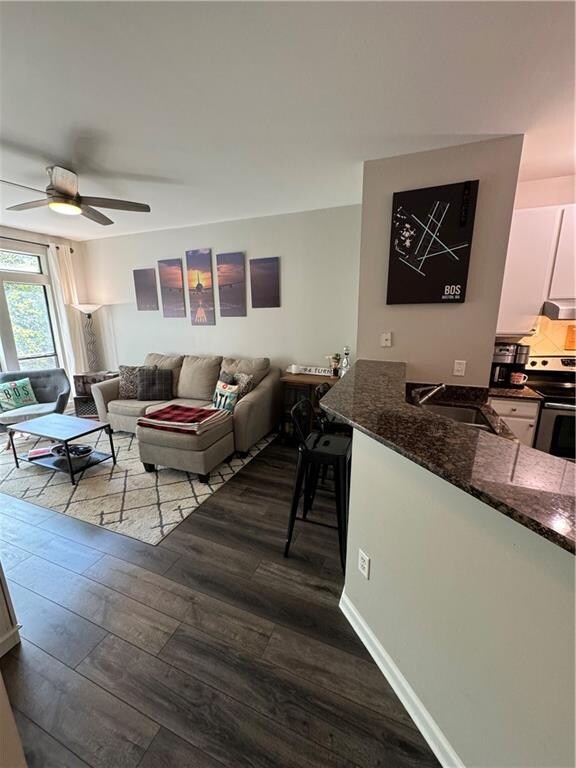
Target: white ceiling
{"x":250,"y":109}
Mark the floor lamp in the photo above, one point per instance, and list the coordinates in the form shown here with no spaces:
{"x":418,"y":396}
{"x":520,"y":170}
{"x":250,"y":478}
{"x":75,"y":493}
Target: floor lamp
{"x":87,"y":311}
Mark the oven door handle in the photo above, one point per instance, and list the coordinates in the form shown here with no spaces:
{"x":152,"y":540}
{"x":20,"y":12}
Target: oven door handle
{"x":560,"y":406}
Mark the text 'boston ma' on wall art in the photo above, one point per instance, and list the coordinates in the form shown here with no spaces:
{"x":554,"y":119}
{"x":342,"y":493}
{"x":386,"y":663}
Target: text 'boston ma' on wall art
{"x":430,"y":243}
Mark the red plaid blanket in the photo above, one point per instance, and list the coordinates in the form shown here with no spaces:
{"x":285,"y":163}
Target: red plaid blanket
{"x":183,"y":419}
{"x":181,"y":414}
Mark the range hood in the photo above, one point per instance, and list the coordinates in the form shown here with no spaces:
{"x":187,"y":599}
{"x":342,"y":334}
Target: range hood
{"x":560,"y":309}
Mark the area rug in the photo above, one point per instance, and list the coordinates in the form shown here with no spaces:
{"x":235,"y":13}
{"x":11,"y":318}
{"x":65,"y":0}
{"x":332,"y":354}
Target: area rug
{"x":122,"y":498}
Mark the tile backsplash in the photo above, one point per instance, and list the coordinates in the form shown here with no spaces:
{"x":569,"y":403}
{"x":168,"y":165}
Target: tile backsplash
{"x":552,"y":337}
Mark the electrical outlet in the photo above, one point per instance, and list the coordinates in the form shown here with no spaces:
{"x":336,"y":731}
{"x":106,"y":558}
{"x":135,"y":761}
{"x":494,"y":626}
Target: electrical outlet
{"x":364,"y":564}
{"x":459,"y":368}
{"x":386,"y":339}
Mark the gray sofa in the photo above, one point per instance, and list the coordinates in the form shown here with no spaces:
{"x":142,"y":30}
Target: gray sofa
{"x":194,"y":381}
{"x":51,"y":389}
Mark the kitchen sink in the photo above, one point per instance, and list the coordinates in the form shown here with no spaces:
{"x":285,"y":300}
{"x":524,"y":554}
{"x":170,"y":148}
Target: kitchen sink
{"x":464,"y":414}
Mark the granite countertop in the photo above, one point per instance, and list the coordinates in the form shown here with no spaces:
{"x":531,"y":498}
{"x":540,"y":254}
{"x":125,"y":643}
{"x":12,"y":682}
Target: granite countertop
{"x":524,"y":394}
{"x":533,"y":488}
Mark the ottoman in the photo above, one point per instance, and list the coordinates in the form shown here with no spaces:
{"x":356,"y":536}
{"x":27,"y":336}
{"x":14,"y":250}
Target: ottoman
{"x":188,"y":452}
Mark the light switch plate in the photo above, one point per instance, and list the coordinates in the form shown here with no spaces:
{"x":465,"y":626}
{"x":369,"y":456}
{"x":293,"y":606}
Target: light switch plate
{"x":364,"y":564}
{"x":459,"y":368}
{"x":386,"y":339}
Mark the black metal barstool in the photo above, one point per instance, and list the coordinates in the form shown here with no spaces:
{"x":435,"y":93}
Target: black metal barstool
{"x":316,"y":451}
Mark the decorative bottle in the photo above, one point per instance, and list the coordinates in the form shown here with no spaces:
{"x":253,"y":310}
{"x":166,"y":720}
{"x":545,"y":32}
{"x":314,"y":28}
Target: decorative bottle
{"x":345,"y":364}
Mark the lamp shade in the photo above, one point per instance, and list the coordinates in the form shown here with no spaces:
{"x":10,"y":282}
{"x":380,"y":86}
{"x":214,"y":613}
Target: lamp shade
{"x":87,"y":309}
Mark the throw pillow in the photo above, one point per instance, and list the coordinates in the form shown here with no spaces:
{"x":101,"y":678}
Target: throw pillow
{"x":155,"y":384}
{"x":16,"y":394}
{"x":128,"y":386}
{"x":227,"y":378}
{"x":245,"y":383}
{"x":225,"y":396}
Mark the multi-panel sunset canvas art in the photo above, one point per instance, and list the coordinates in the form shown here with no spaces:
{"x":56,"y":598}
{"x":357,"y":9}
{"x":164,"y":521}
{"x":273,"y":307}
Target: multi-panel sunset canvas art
{"x":265,"y":282}
{"x":146,"y":290}
{"x":231,"y":284}
{"x":172,"y":287}
{"x":200,"y":286}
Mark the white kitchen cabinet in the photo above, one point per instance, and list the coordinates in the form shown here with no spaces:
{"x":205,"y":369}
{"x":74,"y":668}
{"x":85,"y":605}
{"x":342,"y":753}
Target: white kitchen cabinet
{"x":520,"y":416}
{"x":528,"y":271}
{"x":523,"y":429}
{"x":563,"y":275}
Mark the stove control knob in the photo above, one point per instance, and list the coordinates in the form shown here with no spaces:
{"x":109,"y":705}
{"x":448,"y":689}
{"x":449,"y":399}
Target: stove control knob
{"x":544,"y":362}
{"x":533,"y":363}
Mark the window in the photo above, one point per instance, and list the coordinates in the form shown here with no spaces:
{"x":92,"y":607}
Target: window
{"x":11,"y":261}
{"x":29,"y":341}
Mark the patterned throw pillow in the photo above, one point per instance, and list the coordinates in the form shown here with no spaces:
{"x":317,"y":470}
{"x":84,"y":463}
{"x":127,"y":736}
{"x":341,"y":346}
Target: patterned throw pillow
{"x":225,"y":396}
{"x":16,"y":394}
{"x":245,"y":383}
{"x":154,"y":384}
{"x":128,"y":387}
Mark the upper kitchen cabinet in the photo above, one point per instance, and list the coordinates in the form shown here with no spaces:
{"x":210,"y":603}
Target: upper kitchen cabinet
{"x":540,"y":260}
{"x":563,"y":275}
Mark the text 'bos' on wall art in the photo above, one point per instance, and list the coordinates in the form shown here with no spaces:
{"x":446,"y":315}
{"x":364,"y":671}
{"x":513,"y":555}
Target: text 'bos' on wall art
{"x":265,"y":282}
{"x":172,"y":287}
{"x":430,"y":243}
{"x":146,"y":289}
{"x":231,"y":284}
{"x":200,"y":286}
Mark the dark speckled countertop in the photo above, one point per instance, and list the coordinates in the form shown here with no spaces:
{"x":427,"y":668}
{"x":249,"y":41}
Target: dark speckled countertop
{"x":531,"y":487}
{"x":523,"y":394}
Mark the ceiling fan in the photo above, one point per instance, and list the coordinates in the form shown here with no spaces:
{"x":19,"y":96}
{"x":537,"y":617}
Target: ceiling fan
{"x":62,"y":196}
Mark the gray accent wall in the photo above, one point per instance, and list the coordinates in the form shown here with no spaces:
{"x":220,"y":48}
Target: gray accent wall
{"x":319,"y":255}
{"x":429,"y":337}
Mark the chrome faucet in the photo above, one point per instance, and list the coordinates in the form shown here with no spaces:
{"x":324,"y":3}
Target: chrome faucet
{"x":420,"y":395}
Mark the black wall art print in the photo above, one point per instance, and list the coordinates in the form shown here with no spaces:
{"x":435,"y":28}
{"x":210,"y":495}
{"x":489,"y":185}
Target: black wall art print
{"x":430,"y":243}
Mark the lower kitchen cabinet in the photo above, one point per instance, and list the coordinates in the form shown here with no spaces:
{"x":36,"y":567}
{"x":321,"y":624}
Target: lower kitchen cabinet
{"x":520,"y":416}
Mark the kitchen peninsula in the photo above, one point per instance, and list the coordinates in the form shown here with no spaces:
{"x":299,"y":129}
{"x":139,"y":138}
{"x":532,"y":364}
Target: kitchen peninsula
{"x":471,"y":538}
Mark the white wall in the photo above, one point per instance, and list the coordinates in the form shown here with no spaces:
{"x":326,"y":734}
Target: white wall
{"x":475,"y":611}
{"x":429,"y":337}
{"x":560,"y":190}
{"x":319,"y":253}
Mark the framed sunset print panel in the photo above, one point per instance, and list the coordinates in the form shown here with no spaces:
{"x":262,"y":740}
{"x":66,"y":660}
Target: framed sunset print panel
{"x":200,"y":286}
{"x":172,"y":287}
{"x":146,"y":289}
{"x":232,"y":284}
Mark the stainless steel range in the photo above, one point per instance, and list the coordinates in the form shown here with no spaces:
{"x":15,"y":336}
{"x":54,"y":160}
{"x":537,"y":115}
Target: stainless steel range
{"x":555,"y":379}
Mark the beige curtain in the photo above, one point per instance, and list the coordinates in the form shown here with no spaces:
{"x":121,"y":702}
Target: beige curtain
{"x":69,"y":319}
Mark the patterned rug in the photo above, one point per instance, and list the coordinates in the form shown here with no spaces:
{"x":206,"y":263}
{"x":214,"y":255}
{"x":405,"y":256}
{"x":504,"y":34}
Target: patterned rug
{"x":122,"y":498}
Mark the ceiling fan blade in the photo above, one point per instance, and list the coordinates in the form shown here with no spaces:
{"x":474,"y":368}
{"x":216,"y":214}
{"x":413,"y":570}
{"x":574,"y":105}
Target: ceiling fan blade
{"x":31,"y":204}
{"x":92,"y":213}
{"x":120,"y":205}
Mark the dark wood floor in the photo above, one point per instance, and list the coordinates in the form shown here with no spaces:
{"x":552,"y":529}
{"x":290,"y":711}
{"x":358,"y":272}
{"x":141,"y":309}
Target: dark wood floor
{"x":208,"y":650}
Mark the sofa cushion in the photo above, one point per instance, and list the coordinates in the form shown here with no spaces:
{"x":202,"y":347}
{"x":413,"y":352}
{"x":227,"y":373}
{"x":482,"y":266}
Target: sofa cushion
{"x":198,"y":377}
{"x":173,"y":362}
{"x":257,"y":367}
{"x":131,"y":407}
{"x":26,"y":412}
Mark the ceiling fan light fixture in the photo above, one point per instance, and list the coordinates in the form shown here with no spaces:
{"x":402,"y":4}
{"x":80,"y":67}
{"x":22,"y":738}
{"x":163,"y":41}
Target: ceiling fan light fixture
{"x":67,"y":207}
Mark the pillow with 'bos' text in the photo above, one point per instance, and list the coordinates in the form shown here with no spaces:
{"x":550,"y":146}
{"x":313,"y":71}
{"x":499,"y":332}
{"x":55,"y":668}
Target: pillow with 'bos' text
{"x":16,"y":394}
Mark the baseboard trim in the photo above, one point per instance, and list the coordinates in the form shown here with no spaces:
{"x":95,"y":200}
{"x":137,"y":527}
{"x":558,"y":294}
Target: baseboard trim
{"x":9,"y":640}
{"x":426,"y":724}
